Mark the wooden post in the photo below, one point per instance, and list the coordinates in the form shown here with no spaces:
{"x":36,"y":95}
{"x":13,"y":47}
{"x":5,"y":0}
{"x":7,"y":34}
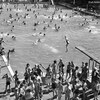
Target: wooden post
{"x":52,"y":2}
{"x":99,"y":69}
{"x":93,"y":65}
{"x":89,"y":62}
{"x":74,"y":2}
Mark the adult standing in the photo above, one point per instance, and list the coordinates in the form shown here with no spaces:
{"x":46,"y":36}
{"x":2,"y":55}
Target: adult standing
{"x":60,"y":90}
{"x":16,"y":78}
{"x":68,"y":70}
{"x":37,"y":89}
{"x":39,"y":71}
{"x":8,"y":82}
{"x":54,"y":66}
{"x":61,"y":68}
{"x":85,"y":71}
{"x":67,"y":43}
{"x":67,"y":92}
{"x":54,"y":87}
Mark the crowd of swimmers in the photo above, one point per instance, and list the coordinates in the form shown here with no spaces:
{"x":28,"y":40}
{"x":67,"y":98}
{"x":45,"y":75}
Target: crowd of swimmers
{"x":16,"y":18}
{"x":60,"y":79}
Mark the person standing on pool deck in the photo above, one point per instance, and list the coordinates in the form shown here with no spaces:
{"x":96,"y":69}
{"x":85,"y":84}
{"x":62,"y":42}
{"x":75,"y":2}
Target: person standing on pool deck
{"x":16,"y":78}
{"x":60,"y":66}
{"x":8,"y":82}
{"x":54,"y":65}
{"x":67,"y":43}
{"x":54,"y":87}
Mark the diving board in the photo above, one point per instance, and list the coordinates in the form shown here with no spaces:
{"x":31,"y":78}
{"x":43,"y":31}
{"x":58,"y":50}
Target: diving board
{"x":83,"y":50}
{"x":8,"y":65}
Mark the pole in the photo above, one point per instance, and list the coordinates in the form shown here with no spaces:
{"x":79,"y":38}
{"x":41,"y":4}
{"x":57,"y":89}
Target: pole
{"x":52,"y":2}
{"x":93,"y":66}
{"x":74,"y":2}
{"x":89,"y":62}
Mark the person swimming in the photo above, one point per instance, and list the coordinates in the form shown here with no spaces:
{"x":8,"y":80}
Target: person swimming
{"x":37,"y":41}
{"x":13,"y":37}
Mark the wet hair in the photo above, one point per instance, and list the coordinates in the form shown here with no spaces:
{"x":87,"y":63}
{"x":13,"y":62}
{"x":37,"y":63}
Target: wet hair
{"x":16,"y":71}
{"x":13,"y":37}
{"x":27,"y":64}
{"x":55,"y":61}
{"x":28,"y":90}
{"x":77,"y":68}
{"x":86,"y":64}
{"x":23,"y":82}
{"x":12,"y":50}
{"x":68,"y":63}
{"x":89,"y":30}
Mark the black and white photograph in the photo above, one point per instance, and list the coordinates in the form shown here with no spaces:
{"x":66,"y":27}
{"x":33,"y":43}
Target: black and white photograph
{"x":49,"y":49}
